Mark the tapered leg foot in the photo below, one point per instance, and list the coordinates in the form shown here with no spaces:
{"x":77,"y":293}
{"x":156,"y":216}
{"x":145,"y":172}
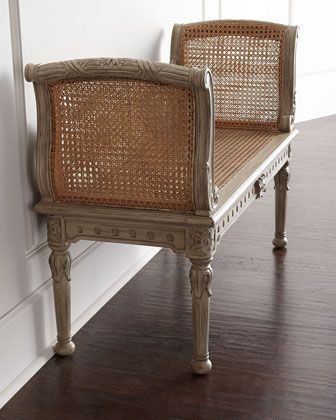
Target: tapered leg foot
{"x":201,"y":367}
{"x":281,"y":180}
{"x":64,"y":349}
{"x":280,"y":242}
{"x":200,"y":279}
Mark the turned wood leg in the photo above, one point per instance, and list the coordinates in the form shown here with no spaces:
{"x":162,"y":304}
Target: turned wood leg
{"x":60,"y":263}
{"x":281,"y":180}
{"x":200,"y":279}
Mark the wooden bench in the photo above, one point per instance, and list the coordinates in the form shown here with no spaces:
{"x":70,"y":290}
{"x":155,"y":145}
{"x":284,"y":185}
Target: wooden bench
{"x":166,"y":155}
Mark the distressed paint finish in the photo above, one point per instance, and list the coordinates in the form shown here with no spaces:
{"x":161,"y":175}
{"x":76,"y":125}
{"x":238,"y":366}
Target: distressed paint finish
{"x":198,"y":80}
{"x":60,"y":264}
{"x":200,"y":280}
{"x":196,"y":234}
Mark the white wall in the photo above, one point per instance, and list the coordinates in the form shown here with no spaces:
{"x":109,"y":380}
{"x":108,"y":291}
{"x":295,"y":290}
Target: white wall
{"x":316,"y":82}
{"x":316,"y":59}
{"x":63,"y":29}
{"x":43,"y":31}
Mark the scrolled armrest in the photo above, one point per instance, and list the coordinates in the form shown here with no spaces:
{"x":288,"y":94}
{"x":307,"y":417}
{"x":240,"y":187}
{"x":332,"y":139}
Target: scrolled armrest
{"x":125,"y":133}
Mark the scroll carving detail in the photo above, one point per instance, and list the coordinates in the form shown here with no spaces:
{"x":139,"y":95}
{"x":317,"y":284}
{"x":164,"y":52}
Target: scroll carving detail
{"x":260,"y":186}
{"x":200,"y":280}
{"x":281,"y":179}
{"x":214,"y":196}
{"x":60,"y":264}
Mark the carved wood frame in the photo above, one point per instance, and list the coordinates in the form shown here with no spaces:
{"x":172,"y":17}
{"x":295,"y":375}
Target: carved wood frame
{"x":198,"y":80}
{"x":287,"y":107}
{"x":173,"y":230}
{"x":196,"y":233}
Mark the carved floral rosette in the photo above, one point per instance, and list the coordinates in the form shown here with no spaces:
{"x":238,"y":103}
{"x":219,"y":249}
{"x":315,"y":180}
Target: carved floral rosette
{"x":201,"y":243}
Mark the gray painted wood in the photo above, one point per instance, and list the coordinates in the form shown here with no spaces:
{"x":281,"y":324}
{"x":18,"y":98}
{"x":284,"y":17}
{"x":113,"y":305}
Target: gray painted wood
{"x":195,"y":234}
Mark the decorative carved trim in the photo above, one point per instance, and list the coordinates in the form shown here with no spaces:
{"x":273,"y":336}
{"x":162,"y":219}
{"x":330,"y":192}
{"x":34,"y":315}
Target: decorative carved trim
{"x":55,"y":229}
{"x":97,"y":230}
{"x":150,"y":235}
{"x":76,"y":229}
{"x":245,"y":199}
{"x":201,"y":243}
{"x":281,"y":179}
{"x":111,"y":63}
{"x":260,"y":186}
{"x":197,"y":79}
{"x":114,"y":67}
{"x":214,"y":196}
{"x":60,"y":263}
{"x":200,"y":279}
{"x":170,"y":237}
{"x":204,"y":198}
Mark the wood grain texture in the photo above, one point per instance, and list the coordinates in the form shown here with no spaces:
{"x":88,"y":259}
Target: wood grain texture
{"x":272,"y":332}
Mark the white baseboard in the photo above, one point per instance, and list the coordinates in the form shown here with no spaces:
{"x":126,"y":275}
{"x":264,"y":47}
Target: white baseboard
{"x":28,"y":333}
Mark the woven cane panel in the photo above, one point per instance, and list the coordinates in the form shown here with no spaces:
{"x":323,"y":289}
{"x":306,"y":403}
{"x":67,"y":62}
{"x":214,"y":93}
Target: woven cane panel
{"x":122,"y":142}
{"x":247,"y":65}
{"x":234,"y":149}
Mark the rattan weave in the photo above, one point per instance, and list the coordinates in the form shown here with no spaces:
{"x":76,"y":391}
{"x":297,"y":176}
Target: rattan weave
{"x":234,"y":149}
{"x":246,"y":60}
{"x":122,"y":142}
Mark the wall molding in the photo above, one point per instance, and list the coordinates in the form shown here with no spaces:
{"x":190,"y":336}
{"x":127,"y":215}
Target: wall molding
{"x":38,"y":251}
{"x":317,"y":73}
{"x":20,"y":105}
{"x":7,"y":393}
{"x":290,"y":12}
{"x":23,"y":317}
{"x":48,"y":283}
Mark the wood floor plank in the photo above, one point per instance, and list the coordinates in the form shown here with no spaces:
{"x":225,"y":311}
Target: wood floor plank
{"x":273,"y":322}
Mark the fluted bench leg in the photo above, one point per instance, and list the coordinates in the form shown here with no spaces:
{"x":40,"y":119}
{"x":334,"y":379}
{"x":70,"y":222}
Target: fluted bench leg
{"x":60,"y":264}
{"x":281,"y":180}
{"x":200,"y":279}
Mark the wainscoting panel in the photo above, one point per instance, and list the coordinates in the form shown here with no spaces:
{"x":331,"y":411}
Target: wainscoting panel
{"x":28,"y":332}
{"x":42,"y":31}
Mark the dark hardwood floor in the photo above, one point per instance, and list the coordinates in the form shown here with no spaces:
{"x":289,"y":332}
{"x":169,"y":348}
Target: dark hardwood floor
{"x":273,"y":322}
